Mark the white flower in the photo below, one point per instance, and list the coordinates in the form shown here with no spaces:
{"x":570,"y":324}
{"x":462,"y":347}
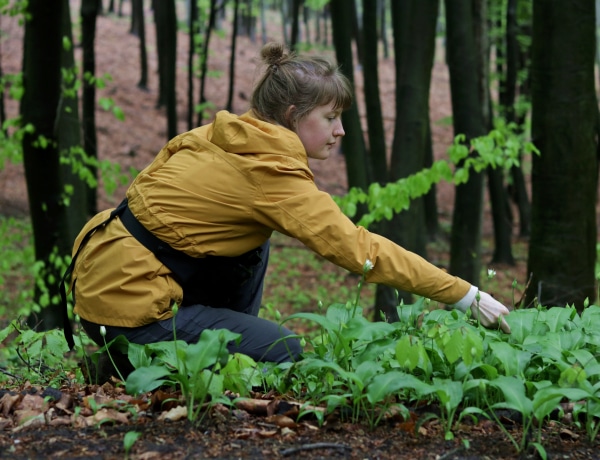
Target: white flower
{"x":102,"y":331}
{"x":367,"y":266}
{"x":491,"y":273}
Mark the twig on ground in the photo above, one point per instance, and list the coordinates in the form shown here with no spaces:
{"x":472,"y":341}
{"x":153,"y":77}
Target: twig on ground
{"x":5,"y":372}
{"x":316,"y":445}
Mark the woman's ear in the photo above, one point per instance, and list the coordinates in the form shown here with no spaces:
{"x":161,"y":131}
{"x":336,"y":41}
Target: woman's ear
{"x":290,"y":117}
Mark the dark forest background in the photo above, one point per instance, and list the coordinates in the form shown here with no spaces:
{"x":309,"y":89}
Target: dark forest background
{"x":522,"y":77}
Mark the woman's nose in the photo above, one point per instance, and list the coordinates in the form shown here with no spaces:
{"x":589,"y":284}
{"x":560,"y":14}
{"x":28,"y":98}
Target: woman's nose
{"x":339,"y":130}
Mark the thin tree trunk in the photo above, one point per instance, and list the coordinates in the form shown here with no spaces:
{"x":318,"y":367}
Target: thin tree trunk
{"x":414,"y":63}
{"x":295,"y":35}
{"x":89,"y":12}
{"x":377,"y":147}
{"x":353,"y":143}
{"x":42,"y":85}
{"x":499,"y":202}
{"x":166,"y":36}
{"x":138,"y":10}
{"x":430,"y":199}
{"x":204,"y":58}
{"x":68,"y":128}
{"x":2,"y":103}
{"x":562,"y":248}
{"x":194,"y":27}
{"x":462,"y":56}
{"x":229,"y":105}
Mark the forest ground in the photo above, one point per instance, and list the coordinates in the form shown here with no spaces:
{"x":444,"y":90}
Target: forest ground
{"x":240,"y":434}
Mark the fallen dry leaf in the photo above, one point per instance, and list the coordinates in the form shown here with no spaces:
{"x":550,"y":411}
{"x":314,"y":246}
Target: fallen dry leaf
{"x":281,"y":421}
{"x":174,"y":414}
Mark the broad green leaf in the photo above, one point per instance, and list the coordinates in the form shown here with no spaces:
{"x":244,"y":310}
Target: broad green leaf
{"x":515,"y":398}
{"x":558,"y":317}
{"x":320,"y":320}
{"x":340,"y":314}
{"x":206,"y":383}
{"x":167,"y":352}
{"x":590,"y":319}
{"x":545,"y":401}
{"x":240,"y":374}
{"x":512,"y":359}
{"x":409,"y":314}
{"x":449,"y":393}
{"x":146,"y":379}
{"x":410,"y":353}
{"x":377,"y":350}
{"x":367,"y":370}
{"x":210,"y":350}
{"x":473,"y":347}
{"x":362,"y":329}
{"x":572,"y":376}
{"x":137,"y":356}
{"x":453,"y":348}
{"x":384,"y":385}
{"x":523,"y":323}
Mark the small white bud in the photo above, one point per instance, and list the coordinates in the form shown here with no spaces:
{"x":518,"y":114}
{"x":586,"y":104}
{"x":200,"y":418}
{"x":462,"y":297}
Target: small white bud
{"x":368,"y":266}
{"x":102,"y":331}
{"x":491,"y":273}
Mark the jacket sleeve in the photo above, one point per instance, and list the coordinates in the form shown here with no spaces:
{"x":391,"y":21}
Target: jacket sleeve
{"x":294,"y":206}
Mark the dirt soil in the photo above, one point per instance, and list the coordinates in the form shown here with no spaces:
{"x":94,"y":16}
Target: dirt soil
{"x":46,"y":422}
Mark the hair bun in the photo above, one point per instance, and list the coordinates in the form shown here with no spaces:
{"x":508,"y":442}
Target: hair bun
{"x":273,"y":53}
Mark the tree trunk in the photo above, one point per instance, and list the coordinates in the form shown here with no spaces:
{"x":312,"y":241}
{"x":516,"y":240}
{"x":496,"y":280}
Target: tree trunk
{"x":515,"y":61}
{"x":499,"y":202}
{"x":356,"y":30}
{"x":500,"y":217}
{"x":68,"y":129}
{"x":562,"y":249}
{"x":204,"y":59}
{"x":462,"y":56}
{"x":194,"y":27}
{"x":377,"y":147}
{"x":430,"y":199}
{"x":166,"y":39}
{"x":89,"y":12}
{"x":42,"y":50}
{"x":414,"y":62}
{"x":138,"y":11}
{"x":385,"y":301}
{"x":2,"y":103}
{"x":229,"y":105}
{"x":353,"y":143}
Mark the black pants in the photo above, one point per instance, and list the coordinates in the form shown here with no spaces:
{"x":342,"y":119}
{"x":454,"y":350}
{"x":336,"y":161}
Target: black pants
{"x":226,"y":295}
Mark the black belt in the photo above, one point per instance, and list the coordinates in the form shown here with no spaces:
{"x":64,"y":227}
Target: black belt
{"x":181,"y":265}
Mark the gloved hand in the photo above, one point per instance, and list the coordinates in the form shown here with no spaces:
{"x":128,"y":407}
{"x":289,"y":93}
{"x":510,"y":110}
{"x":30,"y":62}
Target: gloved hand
{"x":484,"y":308}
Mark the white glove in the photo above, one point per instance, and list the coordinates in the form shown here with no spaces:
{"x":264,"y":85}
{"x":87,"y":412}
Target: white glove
{"x":487,"y":310}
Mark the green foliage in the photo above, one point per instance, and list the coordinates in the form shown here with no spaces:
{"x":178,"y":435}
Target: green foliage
{"x":194,"y":368}
{"x":502,"y":147}
{"x":14,"y":8}
{"x":129,"y":440}
{"x":17,"y":268}
{"x":39,"y":357}
{"x":446,"y":358}
{"x":365,"y":370}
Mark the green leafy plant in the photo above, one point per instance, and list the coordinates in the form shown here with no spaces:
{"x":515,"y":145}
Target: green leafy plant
{"x":129,"y":440}
{"x":192,"y":367}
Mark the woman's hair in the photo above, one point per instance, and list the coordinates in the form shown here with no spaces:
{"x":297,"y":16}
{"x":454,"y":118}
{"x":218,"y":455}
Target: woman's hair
{"x":306,"y":82}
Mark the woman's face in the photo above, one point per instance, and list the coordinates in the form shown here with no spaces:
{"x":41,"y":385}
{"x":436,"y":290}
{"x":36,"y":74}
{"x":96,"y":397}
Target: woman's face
{"x":319,"y":131}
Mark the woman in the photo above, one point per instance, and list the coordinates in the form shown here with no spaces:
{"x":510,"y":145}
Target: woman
{"x":195,"y":227}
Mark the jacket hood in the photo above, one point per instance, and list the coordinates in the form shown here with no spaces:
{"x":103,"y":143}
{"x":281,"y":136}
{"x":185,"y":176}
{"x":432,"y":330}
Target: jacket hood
{"x":247,"y":135}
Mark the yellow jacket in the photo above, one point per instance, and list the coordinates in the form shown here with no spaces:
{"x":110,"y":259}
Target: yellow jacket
{"x":222,"y":189}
